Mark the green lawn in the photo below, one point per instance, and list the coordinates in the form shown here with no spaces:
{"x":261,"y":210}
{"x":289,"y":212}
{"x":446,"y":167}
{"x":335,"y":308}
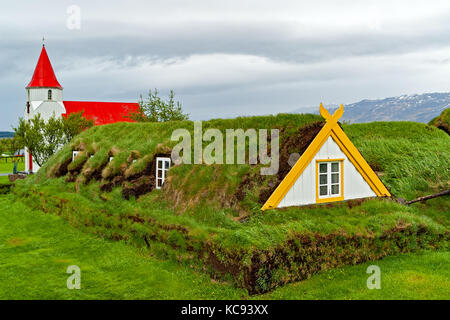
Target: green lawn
{"x":36,"y":248}
{"x":4,"y":180}
{"x":7,"y":167}
{"x":424,"y":275}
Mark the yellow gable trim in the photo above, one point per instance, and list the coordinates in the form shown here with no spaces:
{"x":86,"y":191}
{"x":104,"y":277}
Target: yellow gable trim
{"x":330,"y":128}
{"x":359,"y":162}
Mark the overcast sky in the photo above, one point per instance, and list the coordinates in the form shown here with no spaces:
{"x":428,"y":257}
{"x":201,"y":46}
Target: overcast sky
{"x":227,"y":58}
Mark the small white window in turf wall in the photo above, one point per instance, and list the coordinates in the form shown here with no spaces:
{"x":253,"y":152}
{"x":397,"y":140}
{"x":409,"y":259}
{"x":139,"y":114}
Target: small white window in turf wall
{"x":162,"y":166}
{"x":75,"y":154}
{"x":329,"y":178}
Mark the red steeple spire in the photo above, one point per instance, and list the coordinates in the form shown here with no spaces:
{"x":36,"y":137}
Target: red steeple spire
{"x":43,"y":75}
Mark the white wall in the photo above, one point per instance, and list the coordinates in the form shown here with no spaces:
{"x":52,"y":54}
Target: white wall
{"x":41,"y":94}
{"x":39,"y":103}
{"x":47,"y":109}
{"x":303,"y":191}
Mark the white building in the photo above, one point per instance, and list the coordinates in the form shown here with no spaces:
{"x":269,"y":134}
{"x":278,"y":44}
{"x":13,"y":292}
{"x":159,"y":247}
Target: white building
{"x":45,"y":96}
{"x":331,"y":169}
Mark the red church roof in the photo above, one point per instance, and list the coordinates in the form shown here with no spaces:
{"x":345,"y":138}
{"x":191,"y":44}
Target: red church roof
{"x":43,"y":75}
{"x":102,"y":112}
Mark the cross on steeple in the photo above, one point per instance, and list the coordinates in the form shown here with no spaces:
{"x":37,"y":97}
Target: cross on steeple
{"x":43,"y":41}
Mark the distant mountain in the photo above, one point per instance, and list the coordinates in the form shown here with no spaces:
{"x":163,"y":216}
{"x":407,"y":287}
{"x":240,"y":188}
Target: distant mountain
{"x":416,"y":107}
{"x":6,"y":134}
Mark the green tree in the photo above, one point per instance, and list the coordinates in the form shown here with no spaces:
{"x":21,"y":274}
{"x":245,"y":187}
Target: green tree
{"x":43,"y":138}
{"x":2,"y":146}
{"x":155,"y":109}
{"x":13,"y":145}
{"x":74,"y":124}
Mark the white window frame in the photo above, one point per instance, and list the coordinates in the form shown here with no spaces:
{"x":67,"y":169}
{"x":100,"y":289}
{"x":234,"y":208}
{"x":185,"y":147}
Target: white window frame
{"x":75,"y":154}
{"x":111,"y":159}
{"x":161,"y":172}
{"x":329,"y":183}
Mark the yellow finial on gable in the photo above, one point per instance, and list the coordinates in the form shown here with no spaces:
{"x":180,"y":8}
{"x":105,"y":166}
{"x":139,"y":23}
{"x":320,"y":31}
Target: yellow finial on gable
{"x":336,"y":115}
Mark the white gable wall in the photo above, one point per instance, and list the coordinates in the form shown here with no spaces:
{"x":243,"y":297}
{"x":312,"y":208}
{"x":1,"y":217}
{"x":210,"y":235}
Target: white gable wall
{"x":303,"y":191}
{"x":47,"y":109}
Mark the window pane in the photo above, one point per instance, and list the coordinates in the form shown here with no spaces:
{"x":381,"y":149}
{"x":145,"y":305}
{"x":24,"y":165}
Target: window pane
{"x":335,"y":189}
{"x":323,"y":179}
{"x":323,"y":168}
{"x":335,"y":178}
{"x":160,"y":163}
{"x":158,"y":182}
{"x":323,"y":191}
{"x":167,"y":165}
{"x":335,"y":167}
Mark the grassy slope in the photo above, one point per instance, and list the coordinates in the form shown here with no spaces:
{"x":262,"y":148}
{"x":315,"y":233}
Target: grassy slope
{"x":145,"y":137}
{"x":413,"y":159}
{"x":36,"y":248}
{"x":442,"y":121}
{"x":412,"y":165}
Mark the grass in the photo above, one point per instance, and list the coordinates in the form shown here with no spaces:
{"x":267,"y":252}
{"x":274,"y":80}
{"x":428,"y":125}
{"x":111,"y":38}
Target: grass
{"x":6,"y":166}
{"x":424,"y":275}
{"x":442,"y":121}
{"x":36,"y":249}
{"x":4,"y":180}
{"x":411,"y":158}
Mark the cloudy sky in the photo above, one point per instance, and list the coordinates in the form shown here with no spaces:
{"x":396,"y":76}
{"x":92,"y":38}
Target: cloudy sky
{"x":227,"y":58}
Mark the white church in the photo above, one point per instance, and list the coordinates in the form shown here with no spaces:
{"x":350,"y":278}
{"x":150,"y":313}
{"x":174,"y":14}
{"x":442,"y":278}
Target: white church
{"x":45,"y":96}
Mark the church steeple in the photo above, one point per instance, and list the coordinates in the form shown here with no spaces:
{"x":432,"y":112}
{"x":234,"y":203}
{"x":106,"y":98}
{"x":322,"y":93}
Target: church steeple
{"x":43,"y":75}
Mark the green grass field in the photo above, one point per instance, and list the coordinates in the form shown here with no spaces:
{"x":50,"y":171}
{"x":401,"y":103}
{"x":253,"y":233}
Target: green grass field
{"x":4,"y":180}
{"x":261,"y":251}
{"x":206,"y":221}
{"x":7,"y":166}
{"x":424,"y":275}
{"x":36,"y":249}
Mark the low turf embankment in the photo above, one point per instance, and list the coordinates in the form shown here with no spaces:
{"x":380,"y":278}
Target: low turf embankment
{"x":442,"y":121}
{"x":208,"y":218}
{"x":36,"y":249}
